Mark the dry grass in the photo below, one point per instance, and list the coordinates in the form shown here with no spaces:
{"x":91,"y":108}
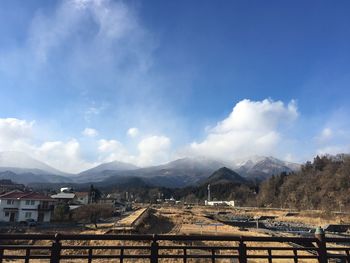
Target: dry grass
{"x":182,"y":221}
{"x":129,"y":220}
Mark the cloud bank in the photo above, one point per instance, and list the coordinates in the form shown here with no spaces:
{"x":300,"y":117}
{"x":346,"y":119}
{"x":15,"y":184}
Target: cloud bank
{"x":19,"y":135}
{"x":252,"y":128}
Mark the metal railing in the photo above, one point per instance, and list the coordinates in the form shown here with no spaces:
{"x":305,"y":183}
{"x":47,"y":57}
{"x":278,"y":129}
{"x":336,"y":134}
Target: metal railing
{"x":180,"y":248}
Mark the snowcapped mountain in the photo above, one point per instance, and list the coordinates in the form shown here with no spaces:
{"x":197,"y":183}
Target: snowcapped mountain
{"x":21,"y":168}
{"x":190,"y":171}
{"x":22,"y":161}
{"x":191,"y":163}
{"x":178,"y":173}
{"x":115,"y":165}
{"x":102,"y":171}
{"x":261,"y":167}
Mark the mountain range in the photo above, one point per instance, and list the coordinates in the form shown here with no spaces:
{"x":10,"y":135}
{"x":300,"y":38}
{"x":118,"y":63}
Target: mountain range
{"x":21,"y":168}
{"x":179,"y":173}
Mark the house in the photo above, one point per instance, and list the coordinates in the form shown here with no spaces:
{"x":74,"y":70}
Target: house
{"x":17,"y":206}
{"x":107,"y":201}
{"x":119,"y":207}
{"x":82,"y":197}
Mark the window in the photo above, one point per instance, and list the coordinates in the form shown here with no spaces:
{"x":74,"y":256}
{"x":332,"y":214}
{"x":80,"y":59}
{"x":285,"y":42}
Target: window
{"x":27,"y":202}
{"x":28,"y":214}
{"x":10,"y":202}
{"x":30,"y":202}
{"x":7,"y":214}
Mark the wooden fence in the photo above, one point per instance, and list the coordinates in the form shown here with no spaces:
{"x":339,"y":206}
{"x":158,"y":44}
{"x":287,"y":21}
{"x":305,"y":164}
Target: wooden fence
{"x":180,"y":248}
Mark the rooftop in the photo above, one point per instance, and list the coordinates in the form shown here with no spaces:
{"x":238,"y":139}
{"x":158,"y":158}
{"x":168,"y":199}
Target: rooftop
{"x":63,"y":196}
{"x":25,"y":196}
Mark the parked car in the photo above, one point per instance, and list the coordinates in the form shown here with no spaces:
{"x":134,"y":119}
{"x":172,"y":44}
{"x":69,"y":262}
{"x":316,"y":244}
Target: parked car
{"x":28,"y":222}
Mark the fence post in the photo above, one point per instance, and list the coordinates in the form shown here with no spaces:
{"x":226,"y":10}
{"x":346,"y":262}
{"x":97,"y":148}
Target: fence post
{"x":154,"y":250}
{"x":56,"y":250}
{"x":242,"y":252}
{"x":322,"y":250}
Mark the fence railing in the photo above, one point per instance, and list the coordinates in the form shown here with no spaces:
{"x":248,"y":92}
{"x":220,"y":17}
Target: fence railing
{"x":180,"y":248}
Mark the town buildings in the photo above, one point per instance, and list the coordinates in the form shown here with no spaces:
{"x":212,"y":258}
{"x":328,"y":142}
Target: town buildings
{"x":18,"y":206}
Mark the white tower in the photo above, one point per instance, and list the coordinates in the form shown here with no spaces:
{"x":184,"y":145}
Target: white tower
{"x":208,"y":192}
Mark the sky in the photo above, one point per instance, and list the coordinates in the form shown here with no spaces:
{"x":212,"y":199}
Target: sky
{"x":84,"y":82}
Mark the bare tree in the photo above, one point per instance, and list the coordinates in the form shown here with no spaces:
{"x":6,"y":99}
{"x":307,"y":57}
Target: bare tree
{"x":92,"y":213}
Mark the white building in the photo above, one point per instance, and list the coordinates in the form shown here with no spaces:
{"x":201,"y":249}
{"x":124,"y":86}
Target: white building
{"x":220,"y":203}
{"x":17,"y":206}
{"x":82,"y":197}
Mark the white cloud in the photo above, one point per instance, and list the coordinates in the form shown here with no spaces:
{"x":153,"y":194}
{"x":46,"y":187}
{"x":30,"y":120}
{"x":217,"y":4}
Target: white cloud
{"x":133,"y":132}
{"x":334,"y":149}
{"x":12,"y":129}
{"x":325,"y":135}
{"x":90,"y":132}
{"x":99,"y":33}
{"x":106,"y":146}
{"x":335,"y":136}
{"x":153,"y":150}
{"x":112,"y":19}
{"x":18,"y":135}
{"x":289,"y":158}
{"x":65,"y":156}
{"x":253,"y":127}
{"x":113,"y":150}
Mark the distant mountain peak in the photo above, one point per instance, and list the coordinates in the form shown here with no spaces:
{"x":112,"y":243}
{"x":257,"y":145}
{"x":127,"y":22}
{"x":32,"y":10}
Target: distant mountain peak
{"x":224,"y":175}
{"x":263,"y":166}
{"x":14,"y":159}
{"x":112,"y":166}
{"x":99,"y":172}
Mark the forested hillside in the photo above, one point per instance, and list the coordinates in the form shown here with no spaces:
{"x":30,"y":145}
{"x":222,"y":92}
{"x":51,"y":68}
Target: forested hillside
{"x":321,"y":184}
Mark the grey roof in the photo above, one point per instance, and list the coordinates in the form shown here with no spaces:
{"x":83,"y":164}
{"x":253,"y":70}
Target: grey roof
{"x":63,"y":196}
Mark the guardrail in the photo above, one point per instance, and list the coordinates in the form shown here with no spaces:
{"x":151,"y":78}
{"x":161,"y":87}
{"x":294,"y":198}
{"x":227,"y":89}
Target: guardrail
{"x":155,"y":248}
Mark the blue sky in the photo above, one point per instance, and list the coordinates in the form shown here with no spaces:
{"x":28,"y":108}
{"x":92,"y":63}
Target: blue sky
{"x":223,"y":79}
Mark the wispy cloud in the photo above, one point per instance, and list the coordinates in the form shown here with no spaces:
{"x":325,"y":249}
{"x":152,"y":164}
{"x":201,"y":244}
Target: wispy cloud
{"x":334,"y":137}
{"x":133,"y":132}
{"x":90,"y":132}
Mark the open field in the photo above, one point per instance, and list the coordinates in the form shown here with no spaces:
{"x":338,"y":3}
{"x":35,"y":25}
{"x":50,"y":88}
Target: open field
{"x":193,"y":221}
{"x":186,"y":220}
